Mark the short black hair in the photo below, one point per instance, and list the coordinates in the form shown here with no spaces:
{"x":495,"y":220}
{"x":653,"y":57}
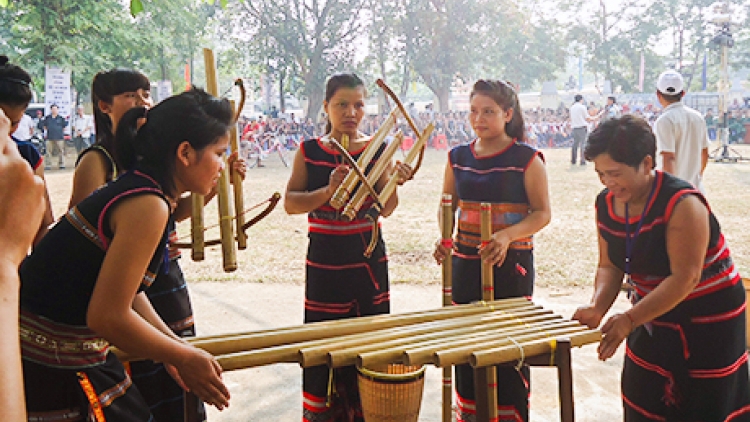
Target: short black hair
{"x":628,"y":140}
{"x":577,"y":98}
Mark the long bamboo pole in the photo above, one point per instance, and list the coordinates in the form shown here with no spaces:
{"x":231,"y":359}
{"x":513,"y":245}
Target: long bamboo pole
{"x":446,"y":219}
{"x":488,"y":293}
{"x":344,"y":191}
{"x":226,"y":220}
{"x":359,"y":196}
{"x":239,"y":198}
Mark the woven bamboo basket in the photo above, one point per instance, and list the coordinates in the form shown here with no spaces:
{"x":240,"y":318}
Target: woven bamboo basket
{"x":391,"y":392}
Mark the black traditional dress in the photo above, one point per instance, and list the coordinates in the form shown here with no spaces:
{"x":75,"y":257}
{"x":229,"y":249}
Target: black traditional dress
{"x":171,"y":300}
{"x":689,"y":364}
{"x":340,"y":283}
{"x":499,"y":180}
{"x":69,"y":374}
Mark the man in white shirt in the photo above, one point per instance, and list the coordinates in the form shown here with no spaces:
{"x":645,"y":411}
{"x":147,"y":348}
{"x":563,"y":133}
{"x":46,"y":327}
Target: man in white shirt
{"x":681,"y":134}
{"x":25,"y":128}
{"x":82,"y":124}
{"x":579,"y":121}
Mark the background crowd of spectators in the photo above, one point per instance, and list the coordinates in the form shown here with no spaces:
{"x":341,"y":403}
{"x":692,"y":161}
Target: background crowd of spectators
{"x":546,"y":128}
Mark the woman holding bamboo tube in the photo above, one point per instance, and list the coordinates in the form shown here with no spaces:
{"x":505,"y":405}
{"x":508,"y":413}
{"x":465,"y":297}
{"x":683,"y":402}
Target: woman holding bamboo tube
{"x":340,"y":281}
{"x":686,"y":357}
{"x":74,"y":304}
{"x":113,"y":93}
{"x":498,"y":168}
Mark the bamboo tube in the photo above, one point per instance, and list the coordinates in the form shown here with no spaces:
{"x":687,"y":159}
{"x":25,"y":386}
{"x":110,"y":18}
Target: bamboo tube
{"x":345,"y":355}
{"x":228,"y":248}
{"x":342,"y":193}
{"x":413,"y":154}
{"x":318,"y":354}
{"x":460,"y":355}
{"x":239,"y":198}
{"x":196,"y":228}
{"x":359,"y":196}
{"x":426,"y":344}
{"x":510,"y":353}
{"x":446,"y":220}
{"x":488,"y":293}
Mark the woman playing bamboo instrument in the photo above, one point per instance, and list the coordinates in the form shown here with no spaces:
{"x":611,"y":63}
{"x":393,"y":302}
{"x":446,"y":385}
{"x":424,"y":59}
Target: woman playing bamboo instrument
{"x":685,"y":358}
{"x":74,"y":304}
{"x":500,"y":169}
{"x":340,"y":281}
{"x":113,"y":93}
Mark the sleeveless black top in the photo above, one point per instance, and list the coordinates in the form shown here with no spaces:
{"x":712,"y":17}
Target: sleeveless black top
{"x":58,"y":278}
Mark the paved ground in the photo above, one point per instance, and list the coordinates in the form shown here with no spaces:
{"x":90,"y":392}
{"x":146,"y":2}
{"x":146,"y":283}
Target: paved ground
{"x":273,"y":393}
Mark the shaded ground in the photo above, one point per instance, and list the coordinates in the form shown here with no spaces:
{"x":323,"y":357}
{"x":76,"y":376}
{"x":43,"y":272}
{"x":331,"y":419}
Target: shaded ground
{"x":273,"y":393}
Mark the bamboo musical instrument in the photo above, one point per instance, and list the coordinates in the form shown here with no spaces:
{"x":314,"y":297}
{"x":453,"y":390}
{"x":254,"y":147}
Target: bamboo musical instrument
{"x":226,"y":220}
{"x":344,"y":191}
{"x":488,"y":293}
{"x":446,"y":221}
{"x":355,"y":203}
{"x":482,"y":334}
{"x":239,"y":198}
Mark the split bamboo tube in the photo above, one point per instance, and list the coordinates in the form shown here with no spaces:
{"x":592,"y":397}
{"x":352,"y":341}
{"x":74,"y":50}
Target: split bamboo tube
{"x":536,"y":347}
{"x":344,"y":191}
{"x":488,"y":293}
{"x":345,"y":355}
{"x":359,"y":196}
{"x":239,"y":198}
{"x":446,"y":220}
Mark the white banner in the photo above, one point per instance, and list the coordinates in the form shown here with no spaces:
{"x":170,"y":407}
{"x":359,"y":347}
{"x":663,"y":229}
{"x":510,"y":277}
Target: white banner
{"x":57,"y":91}
{"x":164,"y":90}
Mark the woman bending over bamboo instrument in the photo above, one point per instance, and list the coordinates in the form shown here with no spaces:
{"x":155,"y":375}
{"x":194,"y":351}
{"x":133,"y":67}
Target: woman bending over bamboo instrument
{"x":340,"y":281}
{"x":500,"y":169}
{"x":113,"y":93}
{"x":685,"y":356}
{"x":82,"y":288}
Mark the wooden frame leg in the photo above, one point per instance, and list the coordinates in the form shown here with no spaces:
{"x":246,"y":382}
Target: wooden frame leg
{"x":565,"y":379}
{"x":481,"y":395}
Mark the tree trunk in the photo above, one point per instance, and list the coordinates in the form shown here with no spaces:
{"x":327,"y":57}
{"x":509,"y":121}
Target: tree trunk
{"x":282,"y":102}
{"x":444,"y":94}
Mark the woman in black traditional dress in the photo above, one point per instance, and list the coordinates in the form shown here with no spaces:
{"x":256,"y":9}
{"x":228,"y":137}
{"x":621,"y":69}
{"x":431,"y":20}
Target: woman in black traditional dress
{"x":340,"y":281}
{"x":82,"y":287}
{"x":686,"y":357}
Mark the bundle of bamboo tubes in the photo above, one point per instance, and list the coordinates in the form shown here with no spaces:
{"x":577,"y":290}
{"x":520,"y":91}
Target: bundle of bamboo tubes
{"x":482,"y":334}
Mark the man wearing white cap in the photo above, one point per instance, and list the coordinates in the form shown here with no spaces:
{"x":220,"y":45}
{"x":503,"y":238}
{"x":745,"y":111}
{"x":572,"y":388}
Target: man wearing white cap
{"x":681,"y":134}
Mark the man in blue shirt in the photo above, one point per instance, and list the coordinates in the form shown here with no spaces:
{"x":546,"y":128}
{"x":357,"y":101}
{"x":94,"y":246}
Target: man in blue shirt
{"x":54,"y":124}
